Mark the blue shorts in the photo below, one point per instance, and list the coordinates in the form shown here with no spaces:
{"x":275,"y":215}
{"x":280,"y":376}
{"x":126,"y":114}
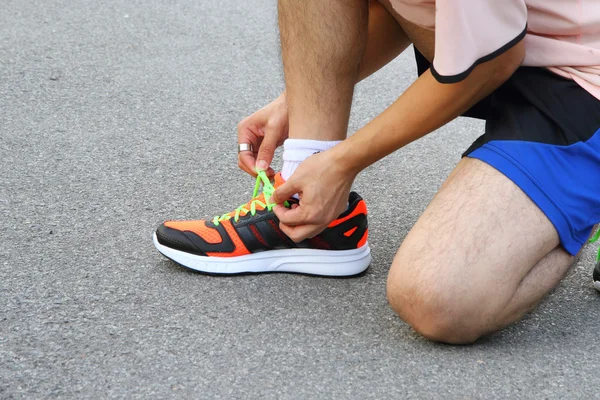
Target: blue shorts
{"x":543,"y":132}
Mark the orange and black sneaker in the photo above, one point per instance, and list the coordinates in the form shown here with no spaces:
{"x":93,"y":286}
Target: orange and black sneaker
{"x":249,"y":240}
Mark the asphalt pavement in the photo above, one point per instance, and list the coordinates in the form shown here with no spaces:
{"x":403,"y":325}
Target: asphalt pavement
{"x":118,"y":114}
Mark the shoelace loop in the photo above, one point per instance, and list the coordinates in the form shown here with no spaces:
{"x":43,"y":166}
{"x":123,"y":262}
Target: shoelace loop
{"x":268,"y":190}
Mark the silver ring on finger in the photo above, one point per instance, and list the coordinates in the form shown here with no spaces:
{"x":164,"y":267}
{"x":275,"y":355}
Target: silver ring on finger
{"x":245,"y":147}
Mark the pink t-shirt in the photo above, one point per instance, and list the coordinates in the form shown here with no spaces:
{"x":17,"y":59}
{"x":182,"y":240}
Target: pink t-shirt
{"x":562,"y":35}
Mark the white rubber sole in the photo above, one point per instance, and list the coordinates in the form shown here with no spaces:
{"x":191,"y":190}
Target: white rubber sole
{"x":303,"y":261}
{"x":597,"y":285}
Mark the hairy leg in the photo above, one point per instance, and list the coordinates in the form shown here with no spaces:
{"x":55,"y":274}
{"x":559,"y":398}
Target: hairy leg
{"x":329,"y":46}
{"x":322,"y":43}
{"x":479,"y":258}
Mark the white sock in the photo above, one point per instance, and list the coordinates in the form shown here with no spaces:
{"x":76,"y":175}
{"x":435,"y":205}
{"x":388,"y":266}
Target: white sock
{"x":297,"y":150}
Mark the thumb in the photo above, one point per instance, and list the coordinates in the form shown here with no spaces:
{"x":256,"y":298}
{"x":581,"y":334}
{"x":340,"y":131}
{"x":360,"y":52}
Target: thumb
{"x":267,"y":150}
{"x":284,"y":192}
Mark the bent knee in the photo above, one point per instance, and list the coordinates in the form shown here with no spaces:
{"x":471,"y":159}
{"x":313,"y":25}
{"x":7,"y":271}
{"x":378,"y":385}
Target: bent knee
{"x":438,"y":312}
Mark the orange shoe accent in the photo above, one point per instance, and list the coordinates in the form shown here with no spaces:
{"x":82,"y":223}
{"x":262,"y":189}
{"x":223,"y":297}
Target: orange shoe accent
{"x":211,"y":235}
{"x":240,"y":248}
{"x":361,"y":208}
{"x":363,"y":240}
{"x":350,"y":232}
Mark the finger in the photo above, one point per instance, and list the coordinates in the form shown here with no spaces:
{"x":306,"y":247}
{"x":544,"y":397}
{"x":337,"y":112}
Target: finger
{"x":248,"y":158}
{"x":267,"y":148}
{"x":284,"y":192}
{"x":248,"y":133}
{"x":292,"y":217}
{"x":244,"y":167}
{"x":246,"y":161}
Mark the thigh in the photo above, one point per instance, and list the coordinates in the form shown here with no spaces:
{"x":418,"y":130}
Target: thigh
{"x":472,"y":247}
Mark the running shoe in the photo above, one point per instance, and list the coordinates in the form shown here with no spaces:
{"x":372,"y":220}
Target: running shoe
{"x":249,"y":240}
{"x":596,"y":274}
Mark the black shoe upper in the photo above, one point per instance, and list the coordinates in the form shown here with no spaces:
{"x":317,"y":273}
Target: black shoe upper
{"x":261,"y":231}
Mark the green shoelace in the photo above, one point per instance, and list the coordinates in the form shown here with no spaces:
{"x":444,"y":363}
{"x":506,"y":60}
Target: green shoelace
{"x":595,"y":239}
{"x":268,"y":190}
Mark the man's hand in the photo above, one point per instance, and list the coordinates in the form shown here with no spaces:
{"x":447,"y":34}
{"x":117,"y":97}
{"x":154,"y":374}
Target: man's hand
{"x":266,"y":130}
{"x":323,"y":186}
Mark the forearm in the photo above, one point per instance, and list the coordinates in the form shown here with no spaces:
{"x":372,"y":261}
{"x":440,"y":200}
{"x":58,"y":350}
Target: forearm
{"x":425,"y":106}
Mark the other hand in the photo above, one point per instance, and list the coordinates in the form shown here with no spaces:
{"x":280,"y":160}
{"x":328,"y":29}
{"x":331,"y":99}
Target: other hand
{"x":266,"y":130}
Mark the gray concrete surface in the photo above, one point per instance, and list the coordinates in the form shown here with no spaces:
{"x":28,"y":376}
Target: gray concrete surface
{"x":115,"y":115}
